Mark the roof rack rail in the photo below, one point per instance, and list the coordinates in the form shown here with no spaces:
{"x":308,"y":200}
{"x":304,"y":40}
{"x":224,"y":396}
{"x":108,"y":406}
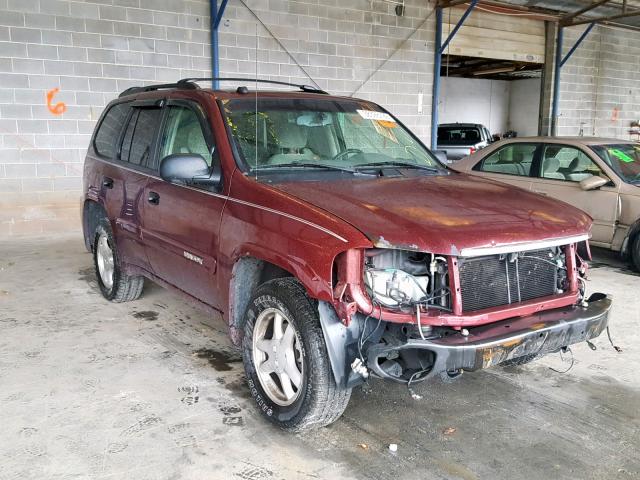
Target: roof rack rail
{"x":304,"y":88}
{"x":158,"y":86}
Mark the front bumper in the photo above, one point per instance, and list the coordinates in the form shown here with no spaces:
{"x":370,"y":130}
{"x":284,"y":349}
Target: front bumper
{"x":494,"y":343}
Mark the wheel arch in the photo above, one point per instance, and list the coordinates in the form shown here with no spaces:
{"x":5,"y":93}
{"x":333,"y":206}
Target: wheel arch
{"x":632,"y":234}
{"x":248,"y":272}
{"x":92,"y":212}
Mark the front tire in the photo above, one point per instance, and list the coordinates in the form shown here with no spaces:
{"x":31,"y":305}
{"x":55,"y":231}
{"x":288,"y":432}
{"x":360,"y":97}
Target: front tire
{"x":114,"y":285}
{"x":286,"y":361}
{"x":635,"y":252}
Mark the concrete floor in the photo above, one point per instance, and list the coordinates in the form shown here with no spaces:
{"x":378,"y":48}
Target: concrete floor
{"x":153,"y":390}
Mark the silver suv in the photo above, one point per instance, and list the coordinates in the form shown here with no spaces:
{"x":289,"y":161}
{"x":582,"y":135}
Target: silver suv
{"x":458,"y":140}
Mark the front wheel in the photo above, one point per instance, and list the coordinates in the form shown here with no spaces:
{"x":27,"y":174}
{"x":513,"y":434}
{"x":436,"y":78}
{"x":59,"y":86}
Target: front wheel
{"x":286,"y":361}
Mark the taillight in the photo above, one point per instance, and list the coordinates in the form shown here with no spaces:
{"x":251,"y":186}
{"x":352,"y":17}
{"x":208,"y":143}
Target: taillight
{"x":472,"y":150}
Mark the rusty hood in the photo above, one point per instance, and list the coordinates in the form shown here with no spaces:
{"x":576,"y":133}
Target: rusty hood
{"x":441,"y":214}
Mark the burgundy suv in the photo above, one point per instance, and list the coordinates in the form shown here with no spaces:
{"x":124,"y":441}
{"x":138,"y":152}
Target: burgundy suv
{"x":333,"y":242}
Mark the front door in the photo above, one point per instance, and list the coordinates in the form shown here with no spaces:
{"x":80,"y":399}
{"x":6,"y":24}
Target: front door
{"x":181,"y":222}
{"x":562,"y":167}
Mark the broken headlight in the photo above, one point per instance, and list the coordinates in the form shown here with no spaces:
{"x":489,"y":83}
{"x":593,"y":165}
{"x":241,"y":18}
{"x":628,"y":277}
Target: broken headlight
{"x":393,"y":288}
{"x":403,"y":278}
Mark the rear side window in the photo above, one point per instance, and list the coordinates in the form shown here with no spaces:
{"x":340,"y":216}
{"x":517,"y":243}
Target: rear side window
{"x":514,"y":159}
{"x":109,"y":130}
{"x":137,"y":143}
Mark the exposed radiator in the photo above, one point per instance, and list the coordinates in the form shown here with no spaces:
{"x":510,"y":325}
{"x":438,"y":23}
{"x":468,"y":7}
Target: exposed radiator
{"x":510,"y":278}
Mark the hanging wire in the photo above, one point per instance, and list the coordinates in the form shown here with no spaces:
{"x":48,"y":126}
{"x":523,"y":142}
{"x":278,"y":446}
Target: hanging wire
{"x":279,"y":43}
{"x":563,"y":350}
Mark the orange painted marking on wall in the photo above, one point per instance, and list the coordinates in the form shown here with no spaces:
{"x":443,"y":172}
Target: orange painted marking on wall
{"x":57,"y":109}
{"x":615,"y":114}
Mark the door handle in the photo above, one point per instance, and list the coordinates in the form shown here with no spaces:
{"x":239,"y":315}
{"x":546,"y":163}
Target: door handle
{"x":107,"y":182}
{"x":153,"y":198}
{"x":540,"y":192}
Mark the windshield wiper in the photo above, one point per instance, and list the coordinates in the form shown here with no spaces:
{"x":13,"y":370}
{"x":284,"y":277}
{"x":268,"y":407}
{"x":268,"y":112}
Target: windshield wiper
{"x":308,"y":165}
{"x":396,"y":164}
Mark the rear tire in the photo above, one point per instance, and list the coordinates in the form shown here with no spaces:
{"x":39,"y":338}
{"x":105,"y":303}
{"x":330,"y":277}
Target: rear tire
{"x":286,"y":361}
{"x":114,"y":284}
{"x":635,"y":252}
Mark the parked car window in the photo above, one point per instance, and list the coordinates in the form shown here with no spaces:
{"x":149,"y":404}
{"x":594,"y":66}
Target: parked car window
{"x":513,"y":159}
{"x":137,"y":142}
{"x":624,"y":159}
{"x":109,"y":130}
{"x":560,"y":162}
{"x":458,"y":135}
{"x":329,"y":133}
{"x":183,"y":134}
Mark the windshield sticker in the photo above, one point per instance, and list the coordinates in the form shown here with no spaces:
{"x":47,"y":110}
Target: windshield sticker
{"x":379,"y":116}
{"x":384,"y":131}
{"x":620,"y":155}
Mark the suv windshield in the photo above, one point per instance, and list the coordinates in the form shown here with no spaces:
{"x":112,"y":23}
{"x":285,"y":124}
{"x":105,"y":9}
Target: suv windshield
{"x":339,"y":135}
{"x":623,"y":158}
{"x":458,"y":135}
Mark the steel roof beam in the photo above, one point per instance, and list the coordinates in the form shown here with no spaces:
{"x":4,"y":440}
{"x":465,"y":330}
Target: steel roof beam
{"x":627,"y":14}
{"x":569,"y":17}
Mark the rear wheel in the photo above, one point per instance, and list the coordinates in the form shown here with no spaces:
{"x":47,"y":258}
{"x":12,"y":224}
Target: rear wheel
{"x":286,"y":361}
{"x":114,"y":284}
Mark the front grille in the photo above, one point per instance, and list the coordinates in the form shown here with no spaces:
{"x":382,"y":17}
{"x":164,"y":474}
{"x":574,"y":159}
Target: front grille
{"x":509,"y":278}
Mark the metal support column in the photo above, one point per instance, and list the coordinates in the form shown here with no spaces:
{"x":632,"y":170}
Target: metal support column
{"x":559,"y":63}
{"x":437,"y":63}
{"x":216,"y":17}
{"x":556,"y":82}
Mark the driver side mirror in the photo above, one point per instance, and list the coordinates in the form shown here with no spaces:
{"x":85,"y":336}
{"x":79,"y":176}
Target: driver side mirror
{"x":592,"y":183}
{"x":189,"y":169}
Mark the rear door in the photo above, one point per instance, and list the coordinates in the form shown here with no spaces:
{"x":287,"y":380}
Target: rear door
{"x":558,"y":175}
{"x":511,"y":163}
{"x":181,"y":222}
{"x":135,"y":153}
{"x":121,"y":183}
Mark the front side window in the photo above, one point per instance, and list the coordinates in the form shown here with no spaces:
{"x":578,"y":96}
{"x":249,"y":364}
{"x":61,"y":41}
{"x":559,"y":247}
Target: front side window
{"x":137,"y":142}
{"x":326,"y":134}
{"x":513,"y":159}
{"x":183,"y":134}
{"x":109,"y":130}
{"x":624,"y":159}
{"x":560,"y":162}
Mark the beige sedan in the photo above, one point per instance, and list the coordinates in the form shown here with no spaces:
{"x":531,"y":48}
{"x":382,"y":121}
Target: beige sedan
{"x":598,"y":175}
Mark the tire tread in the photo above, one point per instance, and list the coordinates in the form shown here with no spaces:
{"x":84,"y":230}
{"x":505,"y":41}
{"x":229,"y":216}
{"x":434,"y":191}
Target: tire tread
{"x":328,"y":401}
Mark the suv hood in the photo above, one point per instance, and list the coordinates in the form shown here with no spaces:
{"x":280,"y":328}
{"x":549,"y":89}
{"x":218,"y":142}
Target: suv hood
{"x":441,"y":214}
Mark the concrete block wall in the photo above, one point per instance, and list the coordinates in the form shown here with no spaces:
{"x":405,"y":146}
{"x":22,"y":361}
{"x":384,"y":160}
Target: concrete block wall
{"x":600,"y":91}
{"x":347,"y":47}
{"x":90,"y":51}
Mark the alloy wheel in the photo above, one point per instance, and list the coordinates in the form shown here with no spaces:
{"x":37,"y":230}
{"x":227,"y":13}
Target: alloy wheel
{"x":277,"y":356}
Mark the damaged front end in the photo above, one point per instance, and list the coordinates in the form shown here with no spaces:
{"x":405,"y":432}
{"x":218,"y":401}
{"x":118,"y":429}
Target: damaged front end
{"x":408,"y":316}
